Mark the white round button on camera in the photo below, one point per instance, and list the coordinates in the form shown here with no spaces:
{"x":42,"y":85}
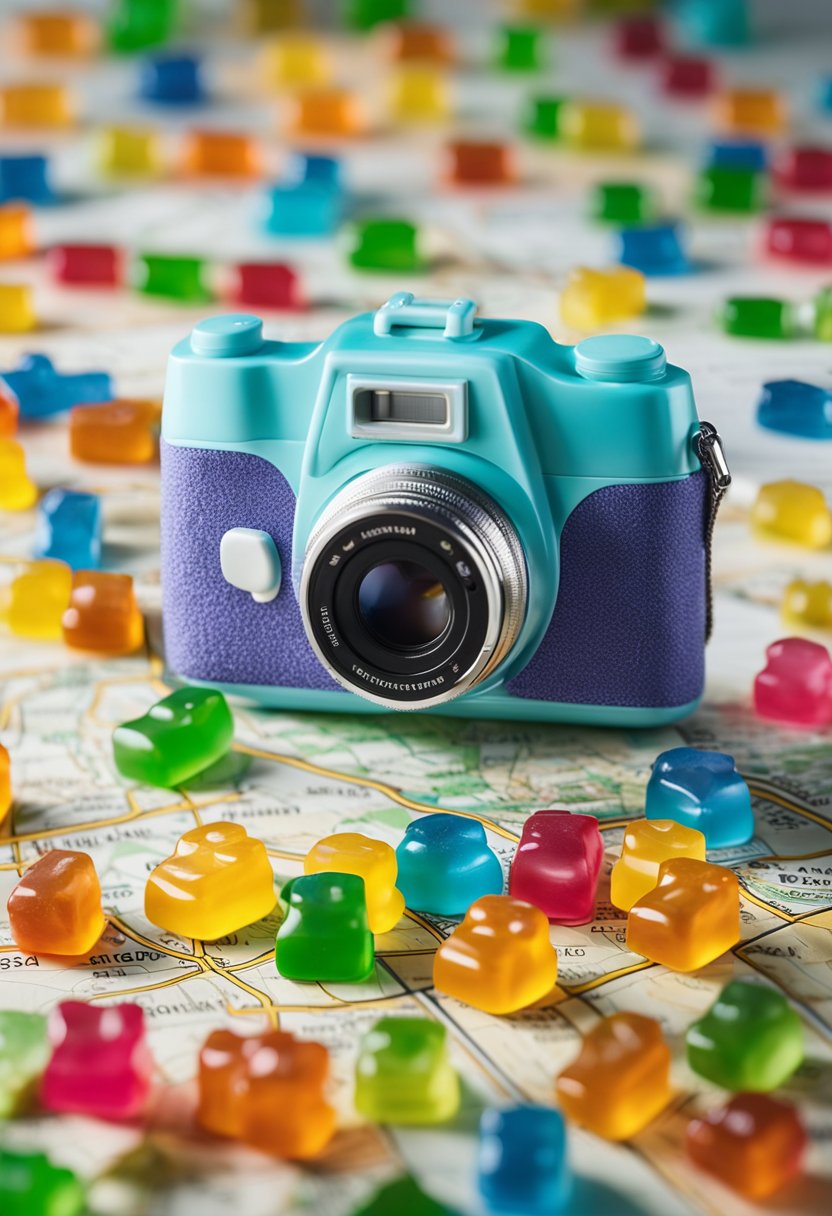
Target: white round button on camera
{"x":249,"y":560}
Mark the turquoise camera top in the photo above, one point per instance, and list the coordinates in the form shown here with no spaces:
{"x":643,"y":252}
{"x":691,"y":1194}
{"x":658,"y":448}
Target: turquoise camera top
{"x":421,"y":393}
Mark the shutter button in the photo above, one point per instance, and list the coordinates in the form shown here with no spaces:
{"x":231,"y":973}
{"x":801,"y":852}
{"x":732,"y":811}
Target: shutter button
{"x":236,"y":333}
{"x":249,"y":560}
{"x":620,"y":359}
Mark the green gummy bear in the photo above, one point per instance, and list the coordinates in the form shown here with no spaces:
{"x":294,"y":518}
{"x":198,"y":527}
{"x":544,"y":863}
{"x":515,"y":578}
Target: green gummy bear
{"x":404,"y":1197}
{"x":136,"y":25}
{"x":387,"y":245}
{"x":364,"y":14}
{"x":178,"y":278}
{"x":324,"y":936}
{"x":403,"y":1074}
{"x":178,"y":737}
{"x":823,"y":315}
{"x":757,"y":317}
{"x":724,"y":188}
{"x":519,"y":48}
{"x":24,"y":1053}
{"x":624,"y":203}
{"x":750,"y":1039}
{"x":30,"y":1185}
{"x":543,"y":117}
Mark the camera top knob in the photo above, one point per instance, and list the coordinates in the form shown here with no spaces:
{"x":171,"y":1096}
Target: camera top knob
{"x":234,"y":334}
{"x":620,"y":359}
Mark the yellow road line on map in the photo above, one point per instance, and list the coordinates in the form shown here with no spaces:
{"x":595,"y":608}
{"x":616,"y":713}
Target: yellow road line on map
{"x":605,"y":979}
{"x":149,"y":943}
{"x":381,"y":787}
{"x":269,"y":1009}
{"x":169,"y":983}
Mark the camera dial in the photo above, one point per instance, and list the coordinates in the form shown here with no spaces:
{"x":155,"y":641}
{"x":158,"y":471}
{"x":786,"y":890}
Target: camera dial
{"x":413,"y":587}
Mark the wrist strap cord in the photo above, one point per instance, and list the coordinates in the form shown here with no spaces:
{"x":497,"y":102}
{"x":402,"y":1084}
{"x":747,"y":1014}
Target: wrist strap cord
{"x":711,"y":454}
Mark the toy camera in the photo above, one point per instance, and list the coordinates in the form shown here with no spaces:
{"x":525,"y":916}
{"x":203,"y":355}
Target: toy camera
{"x":429,"y":511}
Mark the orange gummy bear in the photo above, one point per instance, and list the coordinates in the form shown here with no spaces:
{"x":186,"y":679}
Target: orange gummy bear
{"x":620,"y":1079}
{"x":103,"y":614}
{"x":56,"y":906}
{"x":221,"y":154}
{"x":326,"y":112}
{"x":266,"y":1090}
{"x":690,"y":917}
{"x":116,"y":432}
{"x":477,"y":163}
{"x":500,"y":959}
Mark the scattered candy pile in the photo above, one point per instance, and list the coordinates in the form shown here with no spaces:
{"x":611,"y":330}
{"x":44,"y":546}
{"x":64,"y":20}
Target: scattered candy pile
{"x":269,"y":1091}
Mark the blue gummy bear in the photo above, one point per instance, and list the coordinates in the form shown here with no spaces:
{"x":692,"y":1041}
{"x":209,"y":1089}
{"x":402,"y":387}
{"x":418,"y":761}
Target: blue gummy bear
{"x":794,"y":407}
{"x":41,"y":391}
{"x":172,"y":80}
{"x":69,"y":528}
{"x":310,"y":167}
{"x":445,"y":864}
{"x":701,"y":790}
{"x":825,"y":93}
{"x":738,"y":154}
{"x":522,"y":1168}
{"x":309,"y":202}
{"x":25,"y":179}
{"x":654,"y":250}
{"x":713,"y":22}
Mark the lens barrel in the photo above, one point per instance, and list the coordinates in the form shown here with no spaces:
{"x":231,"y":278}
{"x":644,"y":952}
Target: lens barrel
{"x":413,"y":586}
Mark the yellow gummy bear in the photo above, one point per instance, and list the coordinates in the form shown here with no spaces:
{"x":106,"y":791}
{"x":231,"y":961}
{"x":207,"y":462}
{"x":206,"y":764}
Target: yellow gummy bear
{"x":296,"y":60}
{"x":808,"y":604}
{"x":599,"y":126}
{"x":129,"y":152}
{"x":17,"y":313}
{"x":793,"y":511}
{"x":218,"y":880}
{"x":593,"y":299}
{"x":647,"y":843}
{"x":36,"y":105}
{"x":17,"y":491}
{"x":372,"y":860}
{"x":419,"y":93}
{"x":37,"y":599}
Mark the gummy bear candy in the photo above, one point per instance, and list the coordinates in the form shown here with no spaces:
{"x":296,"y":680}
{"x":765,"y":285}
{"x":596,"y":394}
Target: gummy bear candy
{"x":522,"y":1163}
{"x":37,"y":599}
{"x":324,"y":936}
{"x":103,"y":615}
{"x":500,"y":959}
{"x":620,"y":1080}
{"x":217,"y":881}
{"x":795,"y":686}
{"x":403,"y":1074}
{"x":445,"y":864}
{"x":557,"y":864}
{"x":24,"y":1051}
{"x":701,"y":790}
{"x":56,"y":906}
{"x":101,"y":1064}
{"x":372,"y":860}
{"x":690,"y":917}
{"x":750,"y":1038}
{"x":754,"y":1144}
{"x":266,"y":1090}
{"x":647,"y":843}
{"x":792,"y":511}
{"x":177,"y":738}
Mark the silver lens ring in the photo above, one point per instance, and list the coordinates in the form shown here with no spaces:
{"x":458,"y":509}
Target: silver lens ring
{"x":450,"y":506}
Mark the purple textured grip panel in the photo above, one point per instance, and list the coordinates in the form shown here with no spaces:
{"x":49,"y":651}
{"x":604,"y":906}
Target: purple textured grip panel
{"x":629,"y":623}
{"x":214,"y":631}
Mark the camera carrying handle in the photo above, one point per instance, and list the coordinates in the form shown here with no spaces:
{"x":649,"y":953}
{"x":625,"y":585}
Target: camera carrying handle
{"x":454,"y":317}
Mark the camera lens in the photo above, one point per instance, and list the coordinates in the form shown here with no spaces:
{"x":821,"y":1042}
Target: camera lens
{"x":404,"y":605}
{"x":413,"y":588}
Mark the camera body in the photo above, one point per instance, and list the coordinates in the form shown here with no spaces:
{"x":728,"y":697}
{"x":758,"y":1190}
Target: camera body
{"x":432,"y":512}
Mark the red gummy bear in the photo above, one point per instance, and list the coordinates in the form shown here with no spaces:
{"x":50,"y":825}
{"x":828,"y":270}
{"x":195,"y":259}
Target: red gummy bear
{"x":638,"y":37}
{"x":800,"y":240}
{"x":101,"y":1065}
{"x":795,"y":686}
{"x":557,"y":864}
{"x":804,"y":168}
{"x":687,"y":77}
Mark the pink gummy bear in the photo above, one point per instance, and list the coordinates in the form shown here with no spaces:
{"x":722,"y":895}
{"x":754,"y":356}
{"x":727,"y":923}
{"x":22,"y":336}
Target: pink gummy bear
{"x":101,"y":1064}
{"x":557,"y":864}
{"x":795,"y":686}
